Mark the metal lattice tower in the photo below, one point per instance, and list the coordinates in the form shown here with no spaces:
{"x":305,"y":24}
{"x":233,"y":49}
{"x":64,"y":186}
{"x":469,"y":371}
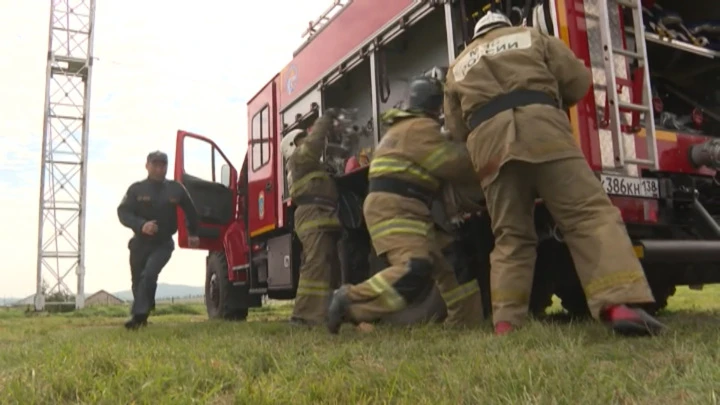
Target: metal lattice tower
{"x":63,"y":174}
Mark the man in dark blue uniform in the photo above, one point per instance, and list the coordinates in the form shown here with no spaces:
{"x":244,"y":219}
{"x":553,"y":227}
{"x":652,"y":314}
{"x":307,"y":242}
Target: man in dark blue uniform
{"x":149,"y":209}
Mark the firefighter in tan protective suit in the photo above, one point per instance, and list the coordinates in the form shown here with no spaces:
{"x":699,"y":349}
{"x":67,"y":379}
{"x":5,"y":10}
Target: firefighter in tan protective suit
{"x":313,"y":192}
{"x":406,"y":173}
{"x":502,"y":97}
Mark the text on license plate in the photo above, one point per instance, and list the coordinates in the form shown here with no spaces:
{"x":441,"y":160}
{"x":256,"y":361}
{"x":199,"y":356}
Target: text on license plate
{"x":630,"y":186}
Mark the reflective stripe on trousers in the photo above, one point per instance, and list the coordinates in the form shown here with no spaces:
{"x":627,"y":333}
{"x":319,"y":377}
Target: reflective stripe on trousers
{"x":319,"y":223}
{"x":399,"y":226}
{"x":386,"y":292}
{"x":612,"y":280}
{"x":460,"y":293}
{"x":313,"y":288}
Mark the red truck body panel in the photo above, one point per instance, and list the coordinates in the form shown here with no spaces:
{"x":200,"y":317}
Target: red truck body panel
{"x":352,"y":26}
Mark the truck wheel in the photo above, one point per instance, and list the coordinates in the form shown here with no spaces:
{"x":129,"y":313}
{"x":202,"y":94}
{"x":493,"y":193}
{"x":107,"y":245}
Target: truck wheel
{"x":662,"y":293}
{"x":569,"y":289}
{"x":573,"y":301}
{"x":540,"y":298}
{"x":222,"y":299}
{"x":543,"y":285}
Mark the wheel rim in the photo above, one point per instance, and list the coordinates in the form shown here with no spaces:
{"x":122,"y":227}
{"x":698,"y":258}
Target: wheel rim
{"x":214,"y":291}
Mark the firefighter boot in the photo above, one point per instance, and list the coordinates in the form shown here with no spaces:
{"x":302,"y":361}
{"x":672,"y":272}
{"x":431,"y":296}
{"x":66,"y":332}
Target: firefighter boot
{"x":503,"y":328}
{"x":136,"y":322}
{"x":338,"y":312}
{"x":628,"y":321}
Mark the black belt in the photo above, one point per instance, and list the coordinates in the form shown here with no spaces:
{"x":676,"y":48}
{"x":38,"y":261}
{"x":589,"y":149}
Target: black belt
{"x":402,"y":188}
{"x":514,"y":99}
{"x":314,"y":199}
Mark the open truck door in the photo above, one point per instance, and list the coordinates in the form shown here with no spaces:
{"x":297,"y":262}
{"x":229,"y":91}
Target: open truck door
{"x":211,"y":181}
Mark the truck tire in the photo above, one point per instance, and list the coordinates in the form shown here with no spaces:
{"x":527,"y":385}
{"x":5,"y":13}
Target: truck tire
{"x":567,"y":284}
{"x":222,"y":299}
{"x":662,"y":291}
{"x":543,"y":279}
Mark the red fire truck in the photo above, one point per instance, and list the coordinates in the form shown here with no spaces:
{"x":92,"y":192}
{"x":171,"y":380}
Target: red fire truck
{"x":647,"y":128}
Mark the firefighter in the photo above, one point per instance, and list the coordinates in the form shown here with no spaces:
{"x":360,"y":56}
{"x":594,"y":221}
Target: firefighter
{"x":502,"y":96}
{"x":317,"y":225}
{"x":406,"y":173}
{"x":149,"y":209}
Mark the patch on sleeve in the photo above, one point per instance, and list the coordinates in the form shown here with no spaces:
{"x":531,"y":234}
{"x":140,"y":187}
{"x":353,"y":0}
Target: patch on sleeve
{"x":510,"y":42}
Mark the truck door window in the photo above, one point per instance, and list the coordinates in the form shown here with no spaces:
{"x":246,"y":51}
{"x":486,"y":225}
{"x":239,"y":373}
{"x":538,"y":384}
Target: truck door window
{"x":197,"y":159}
{"x":203,"y":162}
{"x":260,"y":139}
{"x":208,"y":184}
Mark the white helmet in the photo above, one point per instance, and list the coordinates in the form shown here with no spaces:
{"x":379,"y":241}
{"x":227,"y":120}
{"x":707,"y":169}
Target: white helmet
{"x":489,"y":22}
{"x":287,"y":146}
{"x":538,"y":19}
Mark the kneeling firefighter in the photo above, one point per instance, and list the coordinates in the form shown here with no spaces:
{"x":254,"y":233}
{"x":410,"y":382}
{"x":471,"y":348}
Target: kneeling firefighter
{"x":406,"y":173}
{"x":314,"y":193}
{"x":522,"y":147}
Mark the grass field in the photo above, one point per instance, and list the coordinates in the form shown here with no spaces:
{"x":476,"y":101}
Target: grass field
{"x":181,"y":358}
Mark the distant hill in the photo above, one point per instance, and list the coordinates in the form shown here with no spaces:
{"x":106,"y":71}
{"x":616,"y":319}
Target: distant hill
{"x":8,"y":301}
{"x":166,"y":291}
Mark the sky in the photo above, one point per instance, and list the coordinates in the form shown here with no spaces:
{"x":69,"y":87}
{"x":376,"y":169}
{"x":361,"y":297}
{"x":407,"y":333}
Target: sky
{"x":159,"y":66}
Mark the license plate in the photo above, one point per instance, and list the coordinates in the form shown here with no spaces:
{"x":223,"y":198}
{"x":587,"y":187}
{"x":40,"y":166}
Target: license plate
{"x":630,"y":186}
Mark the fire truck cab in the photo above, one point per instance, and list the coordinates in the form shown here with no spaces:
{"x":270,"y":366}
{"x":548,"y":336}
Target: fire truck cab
{"x":647,"y":128}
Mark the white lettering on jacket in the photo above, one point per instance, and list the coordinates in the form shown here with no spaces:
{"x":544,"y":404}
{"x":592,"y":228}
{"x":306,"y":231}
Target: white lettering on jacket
{"x":505,"y":43}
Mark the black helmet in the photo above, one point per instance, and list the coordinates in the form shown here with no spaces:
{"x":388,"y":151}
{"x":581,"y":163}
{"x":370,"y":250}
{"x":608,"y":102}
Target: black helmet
{"x":425,"y":95}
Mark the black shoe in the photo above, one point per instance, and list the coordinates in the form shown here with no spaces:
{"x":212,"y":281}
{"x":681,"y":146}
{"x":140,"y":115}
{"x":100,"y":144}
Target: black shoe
{"x":136,"y":322}
{"x":299,"y":322}
{"x":338,"y":311}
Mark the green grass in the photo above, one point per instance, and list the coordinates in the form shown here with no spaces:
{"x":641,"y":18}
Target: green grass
{"x":181,"y":358}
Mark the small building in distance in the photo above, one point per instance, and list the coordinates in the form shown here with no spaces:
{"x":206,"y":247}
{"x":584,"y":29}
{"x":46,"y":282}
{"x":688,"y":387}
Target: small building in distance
{"x":101,"y":298}
{"x":27,"y":301}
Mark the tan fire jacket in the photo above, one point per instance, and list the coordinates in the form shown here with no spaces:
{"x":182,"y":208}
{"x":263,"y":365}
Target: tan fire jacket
{"x":504,"y":60}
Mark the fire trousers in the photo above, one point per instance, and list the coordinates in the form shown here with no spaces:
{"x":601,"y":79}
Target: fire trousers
{"x":319,"y":275}
{"x":415,"y":260}
{"x":592,"y":227}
